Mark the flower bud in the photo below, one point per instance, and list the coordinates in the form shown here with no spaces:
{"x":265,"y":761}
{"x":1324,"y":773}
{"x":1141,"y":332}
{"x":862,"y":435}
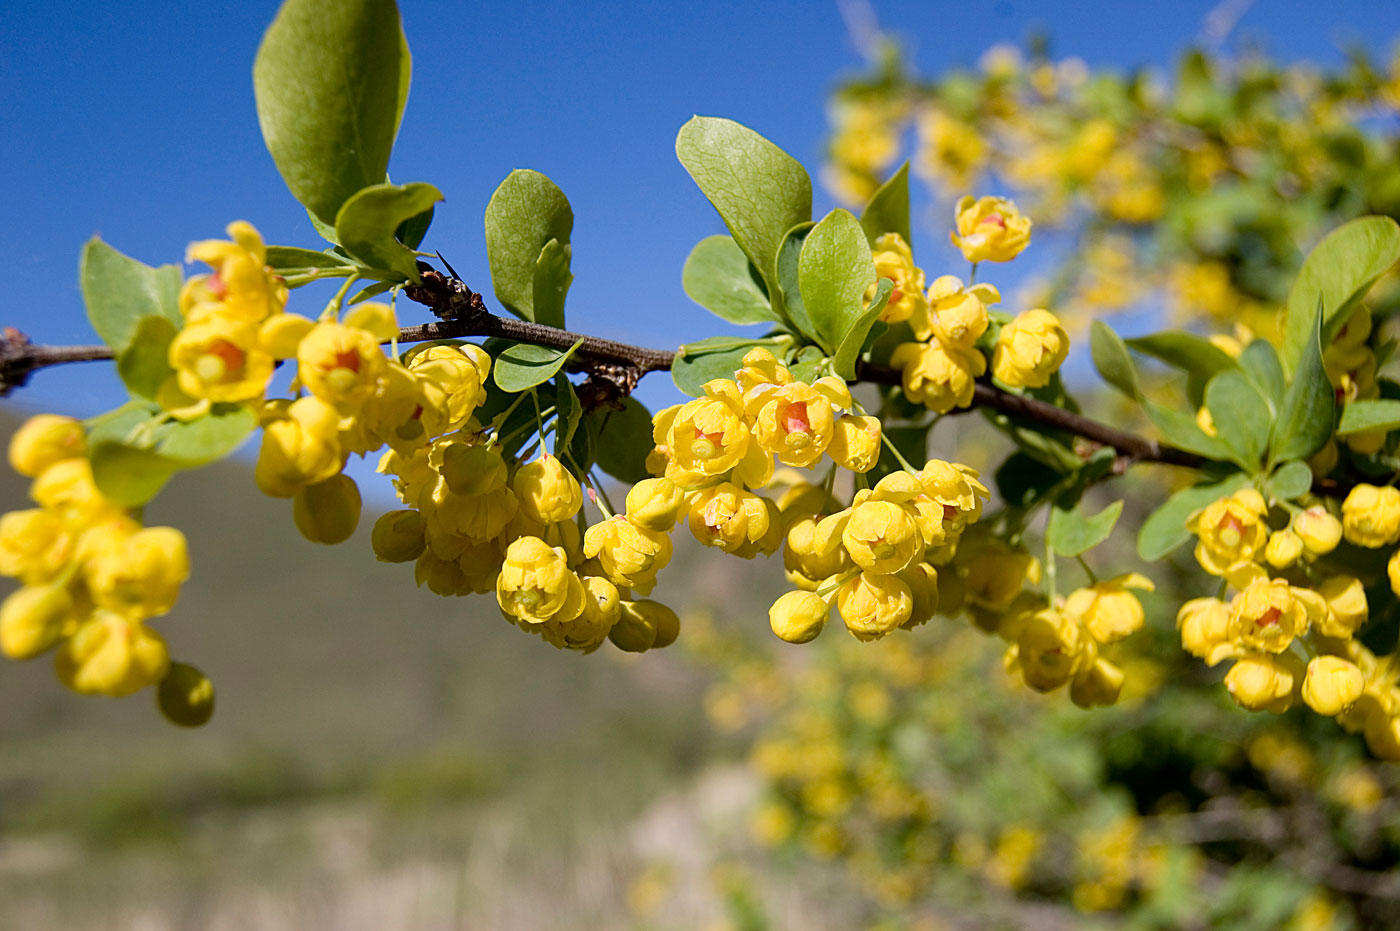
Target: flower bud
{"x":328,"y":511}
{"x":111,"y":655}
{"x":855,"y":442}
{"x":661,"y":618}
{"x":43,"y":440}
{"x":1331,"y":685}
{"x":33,"y":619}
{"x":874,"y":605}
{"x":798,"y":617}
{"x":469,"y":470}
{"x":547,"y":491}
{"x":1205,"y":629}
{"x":923,"y":583}
{"x":1097,"y":686}
{"x":1319,"y":530}
{"x":1261,"y":682}
{"x":1371,"y":516}
{"x":186,"y":696}
{"x":635,"y":630}
{"x":141,"y":573}
{"x":1029,"y":350}
{"x":1283,"y":549}
{"x":655,"y":504}
{"x":1346,"y":607}
{"x":398,"y":536}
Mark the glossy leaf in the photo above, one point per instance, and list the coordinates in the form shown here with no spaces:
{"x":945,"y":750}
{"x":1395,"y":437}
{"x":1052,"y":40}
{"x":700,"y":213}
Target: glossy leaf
{"x":790,"y":304}
{"x":844,"y":361}
{"x":131,"y":467}
{"x":129,"y":475}
{"x":720,"y":278}
{"x":888,"y":210}
{"x":521,"y":366}
{"x":834,"y":271}
{"x":624,"y":441}
{"x":1165,"y":528}
{"x":1261,"y":363}
{"x":1375,"y":414}
{"x":1181,"y":430}
{"x":1308,"y":410}
{"x":759,"y":190}
{"x":368,"y":222}
{"x":1185,"y":351}
{"x":119,"y":291}
{"x":281,"y":258}
{"x":525,"y":213}
{"x":1071,"y":532}
{"x":1111,"y":358}
{"x":1336,"y":275}
{"x":331,"y":80}
{"x":1241,"y":415}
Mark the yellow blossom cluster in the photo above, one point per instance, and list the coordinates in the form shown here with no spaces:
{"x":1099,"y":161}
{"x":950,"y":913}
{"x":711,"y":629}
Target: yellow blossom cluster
{"x":91,"y":575}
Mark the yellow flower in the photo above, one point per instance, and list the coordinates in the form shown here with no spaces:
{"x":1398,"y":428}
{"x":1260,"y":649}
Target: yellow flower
{"x":242,"y":287}
{"x":328,"y":511}
{"x":996,"y":572}
{"x":218,"y":358}
{"x":1332,"y":685}
{"x":111,"y":655}
{"x":35,"y":618}
{"x":1205,"y":630}
{"x":873,"y":605}
{"x":1108,"y":609}
{"x":956,"y":315}
{"x":399,"y":536}
{"x":795,"y":423}
{"x":707,"y":436}
{"x":547,"y":491}
{"x":882,"y":537}
{"x":1029,"y":350}
{"x":761,"y":370}
{"x":810,"y":559}
{"x":736,"y":521}
{"x":536,"y":585}
{"x":855,"y":442}
{"x":460,"y":371}
{"x":341,"y":365}
{"x":630,"y":555}
{"x":1267,"y":615}
{"x":1052,"y":648}
{"x":1263,"y":682}
{"x":1230,"y":531}
{"x":1346,"y":607}
{"x":1284,"y":547}
{"x":139,"y":574}
{"x":1318,"y":529}
{"x":990,"y":229}
{"x":895,"y":260}
{"x":939,"y":376}
{"x":67,"y":490}
{"x":798,"y":617}
{"x":655,"y":504}
{"x":1098,"y":685}
{"x":34,"y":545}
{"x":1371,"y":516}
{"x":300,"y":449}
{"x":43,"y":440}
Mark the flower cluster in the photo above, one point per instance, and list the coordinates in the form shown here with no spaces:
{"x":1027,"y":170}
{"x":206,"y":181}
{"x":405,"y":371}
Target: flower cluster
{"x":91,"y":577}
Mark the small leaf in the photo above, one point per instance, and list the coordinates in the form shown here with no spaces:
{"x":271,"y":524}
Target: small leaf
{"x":1261,"y":363}
{"x":1308,"y":411}
{"x":131,"y":472}
{"x":807,"y":365}
{"x":1364,"y":415}
{"x":1182,"y":431}
{"x":129,"y":475}
{"x":412,"y":230}
{"x":551,"y":283}
{"x":1185,"y":351}
{"x":1336,"y":275}
{"x":121,"y":423}
{"x":331,"y":80}
{"x":568,"y":411}
{"x":624,"y":441}
{"x":369,"y":291}
{"x":1292,"y":480}
{"x":708,"y":359}
{"x":1072,"y":532}
{"x":1241,"y":415}
{"x":525,"y":213}
{"x":1112,"y":360}
{"x":759,"y":190}
{"x":788,"y":294}
{"x":144,"y":365}
{"x":368,"y":221}
{"x":205,"y":439}
{"x":521,"y":366}
{"x":1165,"y":528}
{"x":119,"y":291}
{"x":888,"y":210}
{"x":844,"y":361}
{"x":719,"y":277}
{"x":834,"y":271}
{"x":282,"y":258}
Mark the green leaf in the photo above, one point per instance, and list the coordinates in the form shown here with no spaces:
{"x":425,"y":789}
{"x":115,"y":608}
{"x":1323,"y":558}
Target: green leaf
{"x":1111,"y":358}
{"x":369,"y":291}
{"x":1261,"y":363}
{"x":1182,"y":431}
{"x":719,"y":277}
{"x":759,"y":190}
{"x":368,"y":221}
{"x":129,"y":475}
{"x":119,"y":291}
{"x":1072,"y":532}
{"x":1185,"y":351}
{"x":790,"y":295}
{"x":1336,"y":275}
{"x":807,"y":365}
{"x":1241,"y":415}
{"x":281,"y":258}
{"x":120,"y":423}
{"x":331,"y":80}
{"x":1165,"y":528}
{"x":1308,"y":411}
{"x":708,"y":359}
{"x":844,"y":361}
{"x":1292,"y":480}
{"x":412,"y":230}
{"x":624,"y":441}
{"x":525,"y":213}
{"x":1022,"y":479}
{"x":131,"y":468}
{"x":205,"y":439}
{"x":568,"y":412}
{"x":521,"y":366}
{"x":551,"y":283}
{"x":888,"y":210}
{"x":834,"y":271}
{"x":1377,"y":414}
{"x":144,"y":365}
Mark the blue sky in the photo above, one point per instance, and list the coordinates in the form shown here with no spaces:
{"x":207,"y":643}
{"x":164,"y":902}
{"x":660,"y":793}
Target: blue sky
{"x":136,"y":121}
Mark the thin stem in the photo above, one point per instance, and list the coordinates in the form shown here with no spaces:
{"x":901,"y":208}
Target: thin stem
{"x":889,"y":444}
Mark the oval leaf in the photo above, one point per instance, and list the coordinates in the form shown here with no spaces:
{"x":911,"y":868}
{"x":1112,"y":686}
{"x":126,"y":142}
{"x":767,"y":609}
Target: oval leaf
{"x":521,"y":366}
{"x":834,"y":271}
{"x":1072,"y":533}
{"x":145,"y":365}
{"x":888,"y":210}
{"x":624,"y":441}
{"x":718,"y":357}
{"x":1242,"y":417}
{"x":1292,"y":480}
{"x":119,"y":291}
{"x":551,"y":283}
{"x":1111,"y":358}
{"x":367,"y":223}
{"x":1185,"y":351}
{"x":789,"y":295}
{"x":1308,"y":410}
{"x":1364,"y":415}
{"x":719,"y":277}
{"x":1165,"y":528}
{"x":525,"y":213}
{"x":844,"y":361}
{"x":331,"y":80}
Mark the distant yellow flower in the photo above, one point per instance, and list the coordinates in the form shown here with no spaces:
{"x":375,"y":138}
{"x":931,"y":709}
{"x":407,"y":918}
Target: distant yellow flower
{"x":111,"y":655}
{"x":1029,"y":350}
{"x":1371,"y":516}
{"x":1332,"y":685}
{"x":43,"y":440}
{"x":1108,"y":609}
{"x":990,"y":229}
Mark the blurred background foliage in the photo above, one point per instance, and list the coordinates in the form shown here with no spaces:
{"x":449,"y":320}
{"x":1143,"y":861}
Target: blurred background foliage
{"x":386,"y":758}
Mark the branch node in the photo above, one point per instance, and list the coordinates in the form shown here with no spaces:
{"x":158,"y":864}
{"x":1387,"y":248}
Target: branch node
{"x":16,"y":360}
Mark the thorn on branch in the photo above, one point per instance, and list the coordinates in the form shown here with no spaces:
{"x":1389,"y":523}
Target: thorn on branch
{"x":448,"y":298}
